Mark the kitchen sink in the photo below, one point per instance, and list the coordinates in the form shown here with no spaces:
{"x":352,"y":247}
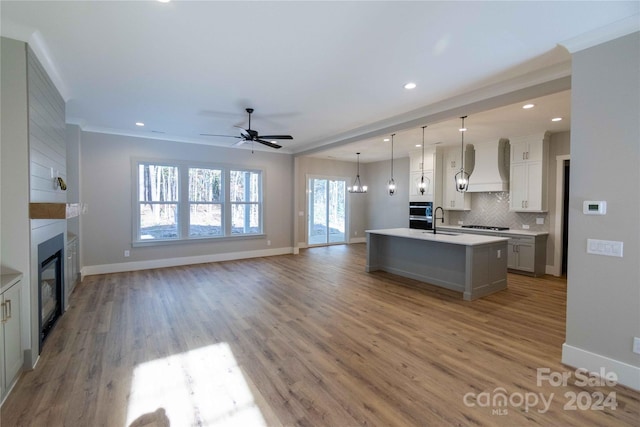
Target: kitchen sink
{"x":446,"y":233}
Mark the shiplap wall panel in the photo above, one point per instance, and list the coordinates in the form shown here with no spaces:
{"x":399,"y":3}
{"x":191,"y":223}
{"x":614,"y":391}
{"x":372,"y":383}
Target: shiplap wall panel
{"x":47,"y":133}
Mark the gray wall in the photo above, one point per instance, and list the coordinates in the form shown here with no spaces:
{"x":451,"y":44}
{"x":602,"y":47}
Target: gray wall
{"x":603,"y":293}
{"x":106,"y":175}
{"x":385,"y":211}
{"x":356,"y":203}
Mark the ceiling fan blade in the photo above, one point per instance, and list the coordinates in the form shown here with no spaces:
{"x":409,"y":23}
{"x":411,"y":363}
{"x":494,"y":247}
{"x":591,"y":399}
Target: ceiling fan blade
{"x":276,"y":137}
{"x":242,"y":141}
{"x":225,"y":136}
{"x":244,"y":132}
{"x":268,"y":143}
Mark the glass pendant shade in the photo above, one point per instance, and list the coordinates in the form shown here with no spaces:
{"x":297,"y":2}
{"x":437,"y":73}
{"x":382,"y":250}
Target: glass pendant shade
{"x":422,"y":187}
{"x":462,"y":177}
{"x":462,"y":181}
{"x":357,"y":186}
{"x":391,"y":185}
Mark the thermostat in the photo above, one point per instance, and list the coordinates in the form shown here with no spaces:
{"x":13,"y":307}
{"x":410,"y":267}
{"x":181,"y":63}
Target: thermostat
{"x":591,"y":207}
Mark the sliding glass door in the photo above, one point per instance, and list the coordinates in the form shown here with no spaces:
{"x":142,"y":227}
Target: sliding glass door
{"x":327,"y":211}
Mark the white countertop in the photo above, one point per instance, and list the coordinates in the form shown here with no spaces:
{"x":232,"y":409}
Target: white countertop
{"x":512,"y":232}
{"x":457,"y":239}
{"x":8,"y":279}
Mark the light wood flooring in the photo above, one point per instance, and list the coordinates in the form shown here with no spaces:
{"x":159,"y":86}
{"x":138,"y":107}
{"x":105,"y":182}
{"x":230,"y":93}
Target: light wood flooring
{"x":309,"y":340}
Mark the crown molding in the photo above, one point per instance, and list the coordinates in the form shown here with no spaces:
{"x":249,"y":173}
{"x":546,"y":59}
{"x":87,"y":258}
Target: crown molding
{"x":602,"y":35}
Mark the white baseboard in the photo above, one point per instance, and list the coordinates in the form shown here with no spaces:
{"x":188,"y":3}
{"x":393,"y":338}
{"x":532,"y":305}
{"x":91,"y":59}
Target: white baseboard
{"x":358,"y":240}
{"x":174,"y":262}
{"x":628,"y":375}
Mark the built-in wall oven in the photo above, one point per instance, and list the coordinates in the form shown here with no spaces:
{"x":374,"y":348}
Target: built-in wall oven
{"x":420,"y":215}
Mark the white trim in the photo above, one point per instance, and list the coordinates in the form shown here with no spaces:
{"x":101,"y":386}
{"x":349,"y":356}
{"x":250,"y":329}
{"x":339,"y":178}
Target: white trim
{"x":90,"y":270}
{"x":557,"y":241}
{"x":628,"y":375}
{"x":602,"y":35}
{"x":357,"y":240}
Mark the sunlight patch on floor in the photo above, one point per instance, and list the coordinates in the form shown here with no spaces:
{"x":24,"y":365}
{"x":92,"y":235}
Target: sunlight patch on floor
{"x":202,"y":387}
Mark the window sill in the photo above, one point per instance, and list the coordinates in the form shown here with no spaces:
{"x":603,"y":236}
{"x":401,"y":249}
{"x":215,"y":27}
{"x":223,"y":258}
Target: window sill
{"x":144,"y":243}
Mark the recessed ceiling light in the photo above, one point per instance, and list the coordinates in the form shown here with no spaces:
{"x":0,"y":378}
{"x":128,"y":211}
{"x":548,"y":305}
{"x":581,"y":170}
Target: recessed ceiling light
{"x":139,"y":124}
{"x":386,"y":140}
{"x":528,"y":106}
{"x":418,"y":145}
{"x":410,"y":85}
{"x":462,"y":129}
{"x":556,"y":119}
{"x":164,"y":1}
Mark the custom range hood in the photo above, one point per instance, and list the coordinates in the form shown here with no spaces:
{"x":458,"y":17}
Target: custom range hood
{"x":491,"y":168}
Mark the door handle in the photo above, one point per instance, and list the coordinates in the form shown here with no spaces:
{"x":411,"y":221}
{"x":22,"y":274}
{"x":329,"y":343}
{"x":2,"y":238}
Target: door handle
{"x":8,"y":305}
{"x":4,"y":316}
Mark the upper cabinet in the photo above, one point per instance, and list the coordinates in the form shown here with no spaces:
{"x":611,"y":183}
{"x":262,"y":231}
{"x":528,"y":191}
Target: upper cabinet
{"x":452,"y":199}
{"x":528,"y":173}
{"x":416,"y":175}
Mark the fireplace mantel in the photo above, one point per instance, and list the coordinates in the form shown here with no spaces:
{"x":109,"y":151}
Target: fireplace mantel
{"x":53,"y":210}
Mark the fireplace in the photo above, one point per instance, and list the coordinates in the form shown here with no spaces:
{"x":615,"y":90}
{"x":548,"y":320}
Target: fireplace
{"x":50,"y":280}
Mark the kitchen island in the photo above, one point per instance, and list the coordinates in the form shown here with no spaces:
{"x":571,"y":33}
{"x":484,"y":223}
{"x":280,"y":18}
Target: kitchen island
{"x":472,"y":264}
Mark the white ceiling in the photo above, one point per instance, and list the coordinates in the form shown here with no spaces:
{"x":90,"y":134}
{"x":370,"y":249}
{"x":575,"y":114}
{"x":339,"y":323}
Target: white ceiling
{"x":324,"y":72}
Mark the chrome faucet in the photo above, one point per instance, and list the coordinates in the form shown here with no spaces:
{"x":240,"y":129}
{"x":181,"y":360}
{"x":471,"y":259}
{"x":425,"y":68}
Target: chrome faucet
{"x":435,"y":217}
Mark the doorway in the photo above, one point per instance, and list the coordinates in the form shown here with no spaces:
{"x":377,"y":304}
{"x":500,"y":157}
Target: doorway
{"x":565,"y":217}
{"x":327,"y":211}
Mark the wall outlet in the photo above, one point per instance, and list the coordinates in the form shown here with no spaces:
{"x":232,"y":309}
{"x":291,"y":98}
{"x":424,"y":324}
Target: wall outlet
{"x":127,"y":252}
{"x":355,"y":233}
{"x":460,"y":222}
{"x":636,"y":345}
{"x":525,"y":226}
{"x":268,"y":242}
{"x":300,"y":213}
{"x":540,"y":221}
{"x":499,"y":253}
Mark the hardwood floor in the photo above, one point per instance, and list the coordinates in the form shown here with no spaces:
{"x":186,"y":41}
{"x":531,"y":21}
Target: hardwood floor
{"x":308,"y":340}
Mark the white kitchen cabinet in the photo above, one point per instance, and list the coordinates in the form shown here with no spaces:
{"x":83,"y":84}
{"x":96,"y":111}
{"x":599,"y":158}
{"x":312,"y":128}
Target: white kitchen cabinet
{"x":452,"y":199}
{"x":11,"y":354}
{"x":415,"y":158}
{"x":415,"y":175}
{"x":528,"y":174}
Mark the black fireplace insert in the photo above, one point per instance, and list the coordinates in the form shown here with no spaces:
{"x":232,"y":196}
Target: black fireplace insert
{"x":50,"y":280}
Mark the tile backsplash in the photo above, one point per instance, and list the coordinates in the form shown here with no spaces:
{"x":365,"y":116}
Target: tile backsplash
{"x":493,"y":209}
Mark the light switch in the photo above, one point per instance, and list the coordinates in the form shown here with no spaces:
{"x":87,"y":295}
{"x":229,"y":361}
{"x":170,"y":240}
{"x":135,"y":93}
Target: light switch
{"x":605,"y":247}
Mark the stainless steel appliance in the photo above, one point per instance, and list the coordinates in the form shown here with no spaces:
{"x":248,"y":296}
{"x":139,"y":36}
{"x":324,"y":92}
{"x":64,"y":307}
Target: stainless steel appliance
{"x":420,"y":215}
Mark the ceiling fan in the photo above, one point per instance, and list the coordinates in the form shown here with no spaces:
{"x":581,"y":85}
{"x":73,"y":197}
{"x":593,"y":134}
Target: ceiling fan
{"x":253,"y":136}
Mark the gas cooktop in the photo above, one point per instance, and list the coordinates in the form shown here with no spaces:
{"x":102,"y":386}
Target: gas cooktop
{"x":485,"y":227}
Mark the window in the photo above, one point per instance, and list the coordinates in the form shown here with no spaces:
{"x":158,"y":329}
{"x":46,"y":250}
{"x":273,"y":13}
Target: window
{"x":245,"y":202}
{"x":177,"y":202}
{"x":205,"y":202}
{"x":158,"y":201}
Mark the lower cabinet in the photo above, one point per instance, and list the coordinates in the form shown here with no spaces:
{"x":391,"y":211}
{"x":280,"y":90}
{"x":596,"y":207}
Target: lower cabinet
{"x":11,"y":354}
{"x":526,"y":254}
{"x":522,"y":254}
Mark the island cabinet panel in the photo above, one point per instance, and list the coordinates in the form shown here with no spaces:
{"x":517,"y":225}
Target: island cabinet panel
{"x":473,"y":265}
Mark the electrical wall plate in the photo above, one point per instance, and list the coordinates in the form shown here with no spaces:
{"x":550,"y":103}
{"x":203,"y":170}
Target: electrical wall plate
{"x":594,"y":207}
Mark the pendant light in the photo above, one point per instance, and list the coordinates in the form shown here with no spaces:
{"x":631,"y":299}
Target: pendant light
{"x":422,"y":186}
{"x":462,"y":177}
{"x":392,"y":184}
{"x":357,"y":187}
